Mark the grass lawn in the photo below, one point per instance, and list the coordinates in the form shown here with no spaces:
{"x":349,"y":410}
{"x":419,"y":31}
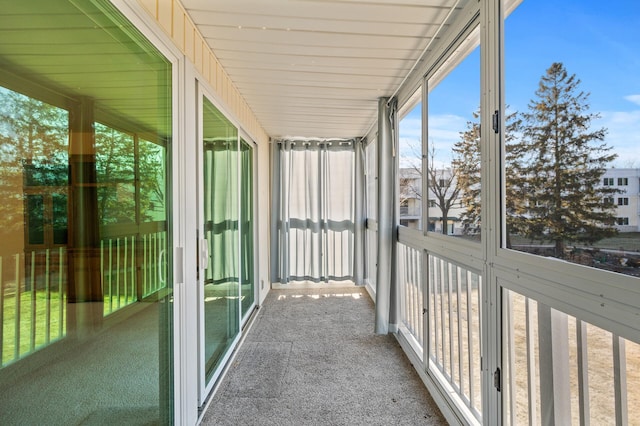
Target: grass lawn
{"x":32,"y":327}
{"x":627,"y":241}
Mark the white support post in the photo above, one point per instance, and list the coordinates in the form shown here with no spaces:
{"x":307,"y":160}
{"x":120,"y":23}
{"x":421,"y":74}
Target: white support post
{"x":385,"y":217}
{"x":359,"y":218}
{"x":620,"y":379}
{"x":555,"y":393}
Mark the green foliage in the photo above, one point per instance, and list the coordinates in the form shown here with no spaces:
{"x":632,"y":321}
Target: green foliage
{"x":33,"y":151}
{"x":555,"y":167}
{"x":467,"y":164}
{"x":554,"y":162}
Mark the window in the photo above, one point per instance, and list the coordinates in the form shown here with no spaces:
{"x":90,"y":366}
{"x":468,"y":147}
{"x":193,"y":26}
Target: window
{"x":404,"y":207}
{"x":559,"y":188}
{"x":432,"y":203}
{"x":453,"y":157}
{"x":623,"y":201}
{"x":622,"y":221}
{"x":410,"y":158}
{"x":85,"y":133}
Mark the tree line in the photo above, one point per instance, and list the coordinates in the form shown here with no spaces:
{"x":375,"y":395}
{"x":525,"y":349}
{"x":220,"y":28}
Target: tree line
{"x":34,"y":159}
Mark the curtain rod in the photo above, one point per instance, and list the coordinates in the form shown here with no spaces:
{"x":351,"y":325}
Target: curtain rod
{"x":319,"y":140}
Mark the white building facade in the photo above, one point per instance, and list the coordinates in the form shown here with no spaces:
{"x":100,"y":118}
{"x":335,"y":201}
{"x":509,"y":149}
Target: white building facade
{"x":627,"y":201}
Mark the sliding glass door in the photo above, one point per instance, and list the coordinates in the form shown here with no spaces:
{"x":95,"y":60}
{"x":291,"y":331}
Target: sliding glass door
{"x":86,"y":265}
{"x":226,"y":240}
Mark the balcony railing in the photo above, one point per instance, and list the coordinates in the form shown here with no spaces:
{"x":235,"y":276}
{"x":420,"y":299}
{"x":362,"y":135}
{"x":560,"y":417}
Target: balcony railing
{"x":563,"y":369}
{"x":33,"y":289}
{"x":411,"y":295}
{"x":455,"y":314}
{"x":32,"y":302}
{"x":453,"y":322}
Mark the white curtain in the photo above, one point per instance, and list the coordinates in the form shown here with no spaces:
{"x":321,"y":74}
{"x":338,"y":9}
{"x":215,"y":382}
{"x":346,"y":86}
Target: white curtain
{"x":314,"y":210}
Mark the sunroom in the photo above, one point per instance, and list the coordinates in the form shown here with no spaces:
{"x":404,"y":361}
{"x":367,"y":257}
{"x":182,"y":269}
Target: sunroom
{"x":470,"y":166}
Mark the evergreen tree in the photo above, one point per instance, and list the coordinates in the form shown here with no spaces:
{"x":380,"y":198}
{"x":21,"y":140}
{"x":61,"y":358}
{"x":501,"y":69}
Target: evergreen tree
{"x":33,"y":153}
{"x":467,"y":165}
{"x":467,"y":162}
{"x":561,"y":162}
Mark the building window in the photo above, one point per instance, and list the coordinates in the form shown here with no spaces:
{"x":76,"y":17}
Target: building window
{"x":623,"y":201}
{"x":404,"y":207}
{"x":608,"y":181}
{"x":623,"y":181}
{"x":432,"y":203}
{"x":622,"y":220}
{"x":608,"y":200}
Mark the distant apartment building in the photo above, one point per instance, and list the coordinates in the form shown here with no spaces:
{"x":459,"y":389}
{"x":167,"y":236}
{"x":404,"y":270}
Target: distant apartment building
{"x":627,"y":202}
{"x":410,"y":195}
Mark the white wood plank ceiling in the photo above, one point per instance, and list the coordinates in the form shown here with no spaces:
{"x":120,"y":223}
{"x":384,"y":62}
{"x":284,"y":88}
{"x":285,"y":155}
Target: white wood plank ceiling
{"x":315,"y":68}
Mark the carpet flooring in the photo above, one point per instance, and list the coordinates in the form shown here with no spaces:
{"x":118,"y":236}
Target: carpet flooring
{"x":312,"y":358}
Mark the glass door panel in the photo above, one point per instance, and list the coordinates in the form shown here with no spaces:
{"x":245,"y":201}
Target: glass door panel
{"x":86,"y":293}
{"x":220,"y":293}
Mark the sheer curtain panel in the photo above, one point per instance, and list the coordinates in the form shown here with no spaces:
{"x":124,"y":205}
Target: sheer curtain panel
{"x":314,"y":210}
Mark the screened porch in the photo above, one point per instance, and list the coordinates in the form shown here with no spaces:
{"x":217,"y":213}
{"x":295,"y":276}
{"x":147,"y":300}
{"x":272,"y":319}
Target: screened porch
{"x":442,"y":191}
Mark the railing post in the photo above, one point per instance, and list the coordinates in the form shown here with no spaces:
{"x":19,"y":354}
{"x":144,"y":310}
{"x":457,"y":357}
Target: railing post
{"x":583,"y":372}
{"x":16,"y":319}
{"x":32,"y":328}
{"x":553,"y":343}
{"x":47,"y":286}
{"x":1,"y":312}
{"x":531,"y":362}
{"x":620,"y":379}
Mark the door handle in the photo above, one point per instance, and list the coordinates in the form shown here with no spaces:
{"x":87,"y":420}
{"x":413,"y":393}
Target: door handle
{"x":161,"y":260}
{"x":204,"y":253}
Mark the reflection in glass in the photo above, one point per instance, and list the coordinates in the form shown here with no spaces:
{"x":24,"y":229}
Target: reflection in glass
{"x":85,"y":265}
{"x":115,"y":162}
{"x":453,"y":175}
{"x":35,"y":218}
{"x":221,"y":216}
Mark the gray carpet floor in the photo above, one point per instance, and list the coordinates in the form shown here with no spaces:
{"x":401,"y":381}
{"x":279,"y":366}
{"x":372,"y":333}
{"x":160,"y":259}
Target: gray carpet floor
{"x":111,"y":379}
{"x":312,"y":358}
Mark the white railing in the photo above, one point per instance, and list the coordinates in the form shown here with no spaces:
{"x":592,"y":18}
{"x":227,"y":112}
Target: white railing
{"x":455,"y":295}
{"x":131,"y":267}
{"x":453,"y":321}
{"x":558,"y":368}
{"x":32,"y":302}
{"x":33,"y":289}
{"x":411,"y":295}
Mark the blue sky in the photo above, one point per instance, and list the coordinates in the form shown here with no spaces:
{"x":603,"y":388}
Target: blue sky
{"x":597,"y":40}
